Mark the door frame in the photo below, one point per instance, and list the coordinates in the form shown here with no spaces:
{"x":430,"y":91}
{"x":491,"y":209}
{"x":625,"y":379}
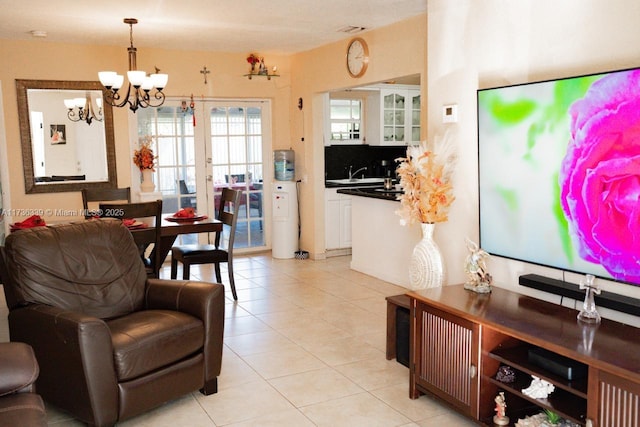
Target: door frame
{"x":202,"y":169}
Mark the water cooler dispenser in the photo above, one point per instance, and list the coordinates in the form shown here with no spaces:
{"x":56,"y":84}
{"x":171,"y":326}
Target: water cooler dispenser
{"x":284,"y":165}
{"x":285,"y":206}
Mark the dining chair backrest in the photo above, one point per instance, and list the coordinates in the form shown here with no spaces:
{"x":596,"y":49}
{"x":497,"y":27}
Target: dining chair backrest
{"x":103,"y":195}
{"x":147,"y":233}
{"x":183,"y":187}
{"x":227,"y":213}
{"x":190,"y":200}
{"x":68,"y":177}
{"x":234,"y":178}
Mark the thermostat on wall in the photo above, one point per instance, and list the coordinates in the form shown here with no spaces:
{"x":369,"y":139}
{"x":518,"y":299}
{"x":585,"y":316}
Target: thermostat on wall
{"x":450,"y":113}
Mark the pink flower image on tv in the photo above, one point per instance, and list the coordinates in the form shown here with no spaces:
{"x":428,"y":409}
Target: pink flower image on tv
{"x":600,"y":175}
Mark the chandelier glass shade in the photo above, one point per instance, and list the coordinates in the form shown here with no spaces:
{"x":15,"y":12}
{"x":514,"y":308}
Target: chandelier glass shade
{"x":82,"y":109}
{"x":139,"y":91}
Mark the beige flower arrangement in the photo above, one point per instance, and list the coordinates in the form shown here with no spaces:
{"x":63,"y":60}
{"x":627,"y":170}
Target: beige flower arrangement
{"x":425,"y":178}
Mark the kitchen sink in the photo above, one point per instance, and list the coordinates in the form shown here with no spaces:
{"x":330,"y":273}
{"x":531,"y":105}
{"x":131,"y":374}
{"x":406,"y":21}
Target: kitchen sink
{"x":356,"y":181}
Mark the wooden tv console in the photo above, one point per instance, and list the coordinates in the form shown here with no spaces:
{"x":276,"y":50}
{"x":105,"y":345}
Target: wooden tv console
{"x":459,"y":339}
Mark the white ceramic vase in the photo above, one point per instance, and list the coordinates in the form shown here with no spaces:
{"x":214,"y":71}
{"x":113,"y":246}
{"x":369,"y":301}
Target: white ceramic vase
{"x":147,"y":185}
{"x":426,"y":269}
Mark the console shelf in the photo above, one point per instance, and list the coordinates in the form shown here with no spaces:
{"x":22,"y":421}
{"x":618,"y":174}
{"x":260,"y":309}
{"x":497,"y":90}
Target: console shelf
{"x":566,"y":404}
{"x":516,"y":357}
{"x":485,"y":331}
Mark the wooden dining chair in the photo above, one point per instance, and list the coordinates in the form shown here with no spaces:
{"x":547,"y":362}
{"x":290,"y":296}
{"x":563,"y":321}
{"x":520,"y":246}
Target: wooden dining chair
{"x":232,"y":179}
{"x":190,"y":200}
{"x":103,"y":195}
{"x":145,"y":232}
{"x":227,"y":213}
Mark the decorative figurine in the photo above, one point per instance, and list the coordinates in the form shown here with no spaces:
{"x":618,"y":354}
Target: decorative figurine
{"x":588,"y":334}
{"x":589,"y":314}
{"x":476,"y":269}
{"x":539,"y":389}
{"x":505,"y":374}
{"x":500,"y":418}
{"x":263,"y":68}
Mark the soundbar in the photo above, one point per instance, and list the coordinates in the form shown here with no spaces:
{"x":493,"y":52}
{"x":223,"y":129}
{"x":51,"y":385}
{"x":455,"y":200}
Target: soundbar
{"x":568,"y":369}
{"x":606,"y":299}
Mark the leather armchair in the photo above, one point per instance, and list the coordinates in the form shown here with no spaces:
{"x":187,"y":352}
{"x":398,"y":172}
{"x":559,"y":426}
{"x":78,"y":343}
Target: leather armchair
{"x":19,"y":405}
{"x":111,"y":343}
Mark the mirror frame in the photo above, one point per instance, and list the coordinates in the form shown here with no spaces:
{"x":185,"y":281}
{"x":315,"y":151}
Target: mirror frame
{"x":30,"y":186}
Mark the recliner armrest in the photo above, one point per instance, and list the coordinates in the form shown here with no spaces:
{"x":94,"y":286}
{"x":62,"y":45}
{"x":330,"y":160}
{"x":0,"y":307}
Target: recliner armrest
{"x":18,"y":368}
{"x":199,"y":299}
{"x":202,"y":300}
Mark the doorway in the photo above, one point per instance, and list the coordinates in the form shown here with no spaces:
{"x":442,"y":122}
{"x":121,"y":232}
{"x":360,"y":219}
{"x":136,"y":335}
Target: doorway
{"x":204,"y":149}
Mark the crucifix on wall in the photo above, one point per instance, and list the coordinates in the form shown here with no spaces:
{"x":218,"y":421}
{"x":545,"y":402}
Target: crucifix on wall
{"x":204,"y":72}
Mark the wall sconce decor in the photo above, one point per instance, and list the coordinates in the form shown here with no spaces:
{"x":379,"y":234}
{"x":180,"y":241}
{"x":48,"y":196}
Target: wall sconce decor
{"x":140,"y":84}
{"x":82,"y":109}
{"x":262,"y":70}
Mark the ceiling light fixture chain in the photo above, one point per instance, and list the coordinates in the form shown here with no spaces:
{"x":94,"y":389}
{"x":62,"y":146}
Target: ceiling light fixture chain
{"x":140,"y":85}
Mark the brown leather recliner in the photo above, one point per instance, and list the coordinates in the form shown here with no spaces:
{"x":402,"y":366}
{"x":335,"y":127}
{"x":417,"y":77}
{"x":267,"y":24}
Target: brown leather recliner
{"x":19,"y":405}
{"x":111,"y":343}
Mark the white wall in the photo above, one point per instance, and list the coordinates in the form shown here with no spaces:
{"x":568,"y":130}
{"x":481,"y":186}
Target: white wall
{"x":477,"y":44}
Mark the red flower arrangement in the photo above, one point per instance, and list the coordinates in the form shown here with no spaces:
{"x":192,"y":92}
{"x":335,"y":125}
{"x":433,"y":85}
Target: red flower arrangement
{"x":144,"y":158}
{"x":253,"y":59}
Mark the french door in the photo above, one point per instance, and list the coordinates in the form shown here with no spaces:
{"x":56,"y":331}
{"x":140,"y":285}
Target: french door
{"x":216,"y":145}
{"x":237,"y":152}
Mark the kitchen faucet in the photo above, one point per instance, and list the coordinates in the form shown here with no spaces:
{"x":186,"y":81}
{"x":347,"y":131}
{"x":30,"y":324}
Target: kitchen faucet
{"x":351,"y":175}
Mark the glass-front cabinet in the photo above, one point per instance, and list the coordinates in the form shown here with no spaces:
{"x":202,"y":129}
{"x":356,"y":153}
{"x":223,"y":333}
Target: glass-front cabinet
{"x":398,"y":121}
{"x":393,"y":116}
{"x":414,"y":108}
{"x":400,"y":116}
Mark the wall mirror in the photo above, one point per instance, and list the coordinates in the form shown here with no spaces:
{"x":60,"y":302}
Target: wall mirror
{"x":60,"y":151}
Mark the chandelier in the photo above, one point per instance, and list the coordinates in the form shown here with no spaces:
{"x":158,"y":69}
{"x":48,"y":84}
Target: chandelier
{"x":140,"y":85}
{"x":82,"y":109}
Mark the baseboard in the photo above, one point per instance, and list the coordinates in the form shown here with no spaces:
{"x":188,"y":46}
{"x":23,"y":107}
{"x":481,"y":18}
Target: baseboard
{"x":606,"y":299}
{"x":338,"y":252}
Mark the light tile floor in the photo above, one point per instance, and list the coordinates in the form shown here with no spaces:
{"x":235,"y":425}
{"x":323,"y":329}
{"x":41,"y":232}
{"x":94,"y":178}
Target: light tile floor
{"x":304,"y":346}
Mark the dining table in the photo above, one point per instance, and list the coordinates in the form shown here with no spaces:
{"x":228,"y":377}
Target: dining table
{"x":171,"y":229}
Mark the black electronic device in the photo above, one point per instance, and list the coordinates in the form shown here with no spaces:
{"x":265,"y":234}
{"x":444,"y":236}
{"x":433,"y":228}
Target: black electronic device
{"x":547,"y":193}
{"x":606,"y":299}
{"x":402,"y":336}
{"x":557,"y":364}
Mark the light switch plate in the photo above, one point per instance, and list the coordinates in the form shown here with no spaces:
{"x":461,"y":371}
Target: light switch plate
{"x":450,"y":113}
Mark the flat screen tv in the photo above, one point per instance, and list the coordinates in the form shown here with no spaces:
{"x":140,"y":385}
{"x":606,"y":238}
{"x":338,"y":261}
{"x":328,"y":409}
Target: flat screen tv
{"x":559,"y":173}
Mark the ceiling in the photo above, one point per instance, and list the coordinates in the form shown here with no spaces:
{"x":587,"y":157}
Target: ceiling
{"x":264,"y":26}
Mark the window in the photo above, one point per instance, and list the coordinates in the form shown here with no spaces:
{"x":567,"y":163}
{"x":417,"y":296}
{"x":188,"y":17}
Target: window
{"x":173,"y":142}
{"x":345,"y":120}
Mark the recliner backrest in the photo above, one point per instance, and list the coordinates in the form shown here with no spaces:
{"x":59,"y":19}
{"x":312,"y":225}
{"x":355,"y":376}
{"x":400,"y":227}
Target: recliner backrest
{"x":91,"y":267}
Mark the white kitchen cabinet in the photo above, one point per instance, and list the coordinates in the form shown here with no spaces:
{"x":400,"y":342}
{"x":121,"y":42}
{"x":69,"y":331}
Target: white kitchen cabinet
{"x":398,"y":116}
{"x":337,"y":219}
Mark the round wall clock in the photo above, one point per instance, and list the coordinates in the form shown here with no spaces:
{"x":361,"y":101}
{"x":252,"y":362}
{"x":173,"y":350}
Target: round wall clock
{"x":357,"y":57}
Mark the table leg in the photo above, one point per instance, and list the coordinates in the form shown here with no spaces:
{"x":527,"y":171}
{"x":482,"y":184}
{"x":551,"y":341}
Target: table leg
{"x":166,"y":243}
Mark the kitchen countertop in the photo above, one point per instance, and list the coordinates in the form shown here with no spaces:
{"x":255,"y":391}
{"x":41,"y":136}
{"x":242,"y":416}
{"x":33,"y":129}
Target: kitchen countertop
{"x":355,"y":184}
{"x":372,"y":192}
